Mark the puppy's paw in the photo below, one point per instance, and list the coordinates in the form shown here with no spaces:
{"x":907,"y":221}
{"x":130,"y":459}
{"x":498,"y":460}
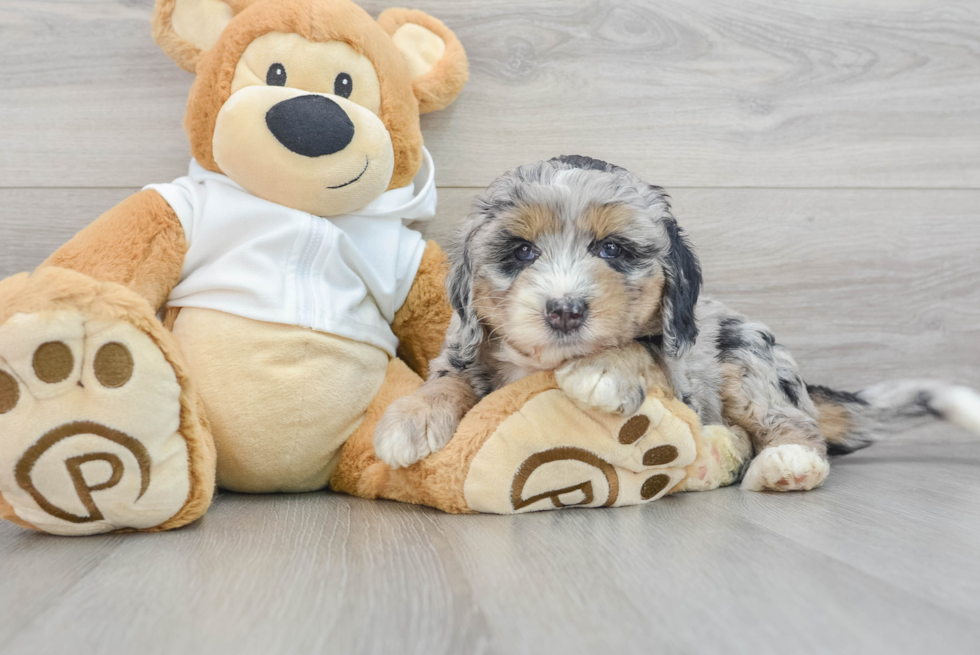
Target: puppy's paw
{"x":789,"y":467}
{"x":598,"y":382}
{"x":411,"y":429}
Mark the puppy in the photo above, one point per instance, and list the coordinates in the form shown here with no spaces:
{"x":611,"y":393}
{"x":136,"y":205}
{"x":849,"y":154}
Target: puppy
{"x":577,"y":266}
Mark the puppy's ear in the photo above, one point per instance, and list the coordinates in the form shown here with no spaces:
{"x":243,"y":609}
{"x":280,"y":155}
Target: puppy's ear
{"x":435,"y":57}
{"x":464,"y":345}
{"x":185,"y":29}
{"x":681,"y":289}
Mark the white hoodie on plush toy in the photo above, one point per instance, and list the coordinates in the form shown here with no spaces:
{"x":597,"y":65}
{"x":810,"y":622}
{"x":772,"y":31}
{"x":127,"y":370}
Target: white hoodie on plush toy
{"x":345,"y":275}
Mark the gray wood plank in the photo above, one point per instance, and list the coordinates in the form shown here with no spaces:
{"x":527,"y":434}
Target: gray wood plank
{"x":861,"y":285}
{"x":702,"y":93}
{"x":693,"y":573}
{"x":907,"y":514}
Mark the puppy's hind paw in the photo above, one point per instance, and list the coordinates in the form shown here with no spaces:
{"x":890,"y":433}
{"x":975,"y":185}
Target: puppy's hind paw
{"x":410,"y":430}
{"x":789,"y":467}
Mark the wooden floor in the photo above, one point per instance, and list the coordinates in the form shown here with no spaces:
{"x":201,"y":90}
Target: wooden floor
{"x":825,"y":158}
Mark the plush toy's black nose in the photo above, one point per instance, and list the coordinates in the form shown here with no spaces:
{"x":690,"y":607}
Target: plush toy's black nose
{"x":311,"y":126}
{"x":566,"y":314}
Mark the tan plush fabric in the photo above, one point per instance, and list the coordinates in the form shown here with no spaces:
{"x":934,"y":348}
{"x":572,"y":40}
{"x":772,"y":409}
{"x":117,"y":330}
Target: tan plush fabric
{"x":421,"y":48}
{"x":282,"y":400}
{"x":722,"y":455}
{"x":200,"y":21}
{"x":438,"y":86}
{"x":94,"y":395}
{"x":247,"y":151}
{"x":184,"y":37}
{"x":555,"y":454}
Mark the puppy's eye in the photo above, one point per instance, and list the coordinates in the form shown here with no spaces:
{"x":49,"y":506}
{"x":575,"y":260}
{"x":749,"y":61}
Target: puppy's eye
{"x":610,"y":250}
{"x":525,"y":252}
{"x":276,"y":75}
{"x":343,"y":85}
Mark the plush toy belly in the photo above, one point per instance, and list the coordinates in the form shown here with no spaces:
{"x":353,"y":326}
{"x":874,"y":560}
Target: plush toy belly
{"x":281,"y":399}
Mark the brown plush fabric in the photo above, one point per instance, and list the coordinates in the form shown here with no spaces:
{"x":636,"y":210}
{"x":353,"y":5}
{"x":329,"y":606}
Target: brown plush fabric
{"x":421,"y":322}
{"x":57,"y":289}
{"x":139,"y":244}
{"x":316,"y":21}
{"x":439,"y":87}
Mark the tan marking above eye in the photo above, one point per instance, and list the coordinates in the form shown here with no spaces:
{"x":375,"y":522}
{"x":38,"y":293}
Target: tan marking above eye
{"x":9,"y":392}
{"x":603,"y":220}
{"x":531,"y":221}
{"x":53,"y":362}
{"x":312,"y":67}
{"x":113,"y":365}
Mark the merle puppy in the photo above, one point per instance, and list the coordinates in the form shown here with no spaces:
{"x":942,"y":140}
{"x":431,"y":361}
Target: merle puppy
{"x":577,"y":266}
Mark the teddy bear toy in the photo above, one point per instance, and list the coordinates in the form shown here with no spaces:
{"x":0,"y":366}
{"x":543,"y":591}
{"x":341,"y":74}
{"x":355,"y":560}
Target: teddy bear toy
{"x":246,"y":325}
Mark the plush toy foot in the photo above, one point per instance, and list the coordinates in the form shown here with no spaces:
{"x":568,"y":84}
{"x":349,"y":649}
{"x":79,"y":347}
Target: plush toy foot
{"x":528,"y":447}
{"x":723,"y":455}
{"x":99,"y":429}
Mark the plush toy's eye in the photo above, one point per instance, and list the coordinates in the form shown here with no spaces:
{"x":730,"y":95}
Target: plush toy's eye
{"x":343,"y":85}
{"x":610,"y":250}
{"x":525,"y":252}
{"x":276,"y":75}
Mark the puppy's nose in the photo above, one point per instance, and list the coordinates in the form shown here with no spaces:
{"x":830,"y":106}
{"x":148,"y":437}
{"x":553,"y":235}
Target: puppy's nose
{"x":311,"y":126}
{"x":566,"y":314}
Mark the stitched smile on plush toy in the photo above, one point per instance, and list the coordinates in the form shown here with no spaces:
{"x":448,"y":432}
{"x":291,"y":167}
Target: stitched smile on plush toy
{"x":367,"y":162}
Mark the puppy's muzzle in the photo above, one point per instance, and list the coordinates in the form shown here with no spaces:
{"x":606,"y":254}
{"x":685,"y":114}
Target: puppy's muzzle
{"x":311,"y":125}
{"x":566,"y":314}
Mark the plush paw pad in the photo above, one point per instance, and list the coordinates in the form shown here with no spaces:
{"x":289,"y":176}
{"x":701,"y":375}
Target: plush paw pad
{"x":89,"y":418}
{"x":789,"y":467}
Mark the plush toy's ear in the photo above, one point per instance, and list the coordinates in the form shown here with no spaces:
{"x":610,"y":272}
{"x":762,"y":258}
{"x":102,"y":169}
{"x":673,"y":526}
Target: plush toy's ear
{"x":185,"y":29}
{"x":435,"y":57}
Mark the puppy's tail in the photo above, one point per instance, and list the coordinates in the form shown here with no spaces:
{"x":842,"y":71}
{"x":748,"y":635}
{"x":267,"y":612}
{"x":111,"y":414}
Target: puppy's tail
{"x":850,"y":421}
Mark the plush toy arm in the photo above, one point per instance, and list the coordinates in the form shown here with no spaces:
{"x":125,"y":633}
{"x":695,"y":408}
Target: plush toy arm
{"x":421,"y":323}
{"x":139,"y":244}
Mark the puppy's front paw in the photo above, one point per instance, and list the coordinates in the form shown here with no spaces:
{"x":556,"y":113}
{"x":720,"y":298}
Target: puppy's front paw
{"x":597,"y":382}
{"x":789,"y":467}
{"x":411,"y":429}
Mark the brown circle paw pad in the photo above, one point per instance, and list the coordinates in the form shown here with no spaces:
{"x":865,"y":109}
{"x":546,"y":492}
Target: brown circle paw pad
{"x":113,"y":365}
{"x":53,"y":362}
{"x":633,"y":429}
{"x":9,"y":392}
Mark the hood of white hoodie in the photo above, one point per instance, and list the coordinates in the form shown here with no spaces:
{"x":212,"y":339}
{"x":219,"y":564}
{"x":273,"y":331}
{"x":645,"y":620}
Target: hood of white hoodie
{"x":345,"y":275}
